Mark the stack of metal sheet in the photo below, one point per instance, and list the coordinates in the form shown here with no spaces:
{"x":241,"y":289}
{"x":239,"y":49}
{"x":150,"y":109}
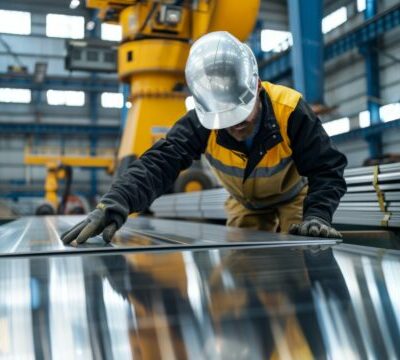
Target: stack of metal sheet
{"x":179,"y":290}
{"x":373,"y":199}
{"x":208,"y":204}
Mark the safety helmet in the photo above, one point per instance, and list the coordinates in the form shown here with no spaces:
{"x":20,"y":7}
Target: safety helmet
{"x":222,"y":75}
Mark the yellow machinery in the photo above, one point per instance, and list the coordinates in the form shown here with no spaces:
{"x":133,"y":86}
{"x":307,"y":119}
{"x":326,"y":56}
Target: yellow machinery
{"x":156,"y":38}
{"x":58,"y":164}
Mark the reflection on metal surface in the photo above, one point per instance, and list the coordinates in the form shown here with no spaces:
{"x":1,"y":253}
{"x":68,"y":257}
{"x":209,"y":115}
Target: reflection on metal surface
{"x":41,"y":235}
{"x":16,"y":331}
{"x":67,"y":314}
{"x":255,"y":303}
{"x":118,"y":314}
{"x":374,"y":309}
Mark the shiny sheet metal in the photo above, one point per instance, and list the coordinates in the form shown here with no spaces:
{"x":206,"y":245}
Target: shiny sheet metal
{"x":41,"y":235}
{"x":266,"y":303}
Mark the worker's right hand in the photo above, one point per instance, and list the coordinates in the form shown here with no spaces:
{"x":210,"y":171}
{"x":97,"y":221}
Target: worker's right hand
{"x":97,"y":222}
{"x":314,"y":226}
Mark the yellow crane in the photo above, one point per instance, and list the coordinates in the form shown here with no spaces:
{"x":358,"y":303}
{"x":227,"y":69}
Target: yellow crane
{"x":156,"y":38}
{"x":59,"y":164}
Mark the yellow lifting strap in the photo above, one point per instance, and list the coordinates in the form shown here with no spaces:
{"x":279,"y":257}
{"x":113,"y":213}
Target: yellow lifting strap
{"x":381,"y":198}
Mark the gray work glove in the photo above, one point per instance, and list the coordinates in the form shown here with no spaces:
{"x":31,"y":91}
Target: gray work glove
{"x":98,"y":221}
{"x":314,"y":226}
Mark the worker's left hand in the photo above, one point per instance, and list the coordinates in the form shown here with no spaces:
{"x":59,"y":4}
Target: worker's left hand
{"x":314,"y":226}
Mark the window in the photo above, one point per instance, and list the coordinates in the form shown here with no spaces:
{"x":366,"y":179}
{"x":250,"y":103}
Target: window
{"x":275,"y":41}
{"x":334,"y":19}
{"x":112,"y":100}
{"x":337,"y":127}
{"x":390,"y":112}
{"x":189,"y":103}
{"x":361,"y":5}
{"x":67,"y":98}
{"x":111,"y":32}
{"x":364,"y":119}
{"x":15,"y":22}
{"x":22,"y":96}
{"x":65,"y":26}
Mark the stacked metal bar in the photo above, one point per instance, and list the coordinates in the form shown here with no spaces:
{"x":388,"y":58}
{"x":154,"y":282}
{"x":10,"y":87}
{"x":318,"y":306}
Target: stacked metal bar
{"x":373,"y":199}
{"x":208,"y":204}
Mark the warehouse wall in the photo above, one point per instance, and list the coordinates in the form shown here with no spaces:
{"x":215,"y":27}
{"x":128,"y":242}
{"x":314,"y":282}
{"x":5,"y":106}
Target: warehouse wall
{"x":345,"y":76}
{"x":30,"y":50}
{"x":345,"y":83}
{"x":345,"y":88}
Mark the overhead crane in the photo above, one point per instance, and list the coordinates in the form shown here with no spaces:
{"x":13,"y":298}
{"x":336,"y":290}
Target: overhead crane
{"x":156,"y":38}
{"x":173,"y":289}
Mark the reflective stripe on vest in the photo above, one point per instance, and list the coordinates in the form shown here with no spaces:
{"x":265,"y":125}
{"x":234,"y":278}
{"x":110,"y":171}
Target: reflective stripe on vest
{"x":239,"y":172}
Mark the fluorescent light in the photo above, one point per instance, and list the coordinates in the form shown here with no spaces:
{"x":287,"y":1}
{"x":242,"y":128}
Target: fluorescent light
{"x":337,"y":127}
{"x":66,"y":98}
{"x":22,"y":96}
{"x":74,"y":4}
{"x":15,"y":22}
{"x":275,"y":41}
{"x":364,"y":118}
{"x":112,"y":100}
{"x":189,"y":103}
{"x":361,"y":5}
{"x":65,"y":26}
{"x":111,"y":32}
{"x":390,"y":112}
{"x":334,"y":19}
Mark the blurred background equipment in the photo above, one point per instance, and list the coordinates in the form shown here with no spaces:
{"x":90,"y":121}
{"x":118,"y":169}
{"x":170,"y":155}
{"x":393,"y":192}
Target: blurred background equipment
{"x":109,"y":74}
{"x":87,"y":86}
{"x":156,"y":37}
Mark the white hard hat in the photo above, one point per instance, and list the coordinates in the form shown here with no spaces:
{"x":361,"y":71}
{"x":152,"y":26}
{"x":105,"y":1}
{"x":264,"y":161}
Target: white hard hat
{"x":222,"y":75}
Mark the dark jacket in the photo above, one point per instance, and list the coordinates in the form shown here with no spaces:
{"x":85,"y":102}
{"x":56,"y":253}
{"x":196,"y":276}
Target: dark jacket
{"x":313,"y":153}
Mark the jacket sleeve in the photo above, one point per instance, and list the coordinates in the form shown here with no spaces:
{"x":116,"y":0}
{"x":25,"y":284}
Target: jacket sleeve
{"x":317,"y":159}
{"x":156,"y":170}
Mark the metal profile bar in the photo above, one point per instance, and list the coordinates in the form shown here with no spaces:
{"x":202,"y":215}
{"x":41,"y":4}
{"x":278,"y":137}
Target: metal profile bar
{"x":361,"y":200}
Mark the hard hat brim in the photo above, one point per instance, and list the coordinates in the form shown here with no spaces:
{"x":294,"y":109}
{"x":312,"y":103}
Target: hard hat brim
{"x":226,"y":119}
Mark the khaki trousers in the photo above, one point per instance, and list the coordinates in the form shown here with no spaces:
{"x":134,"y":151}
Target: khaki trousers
{"x":277,"y":218}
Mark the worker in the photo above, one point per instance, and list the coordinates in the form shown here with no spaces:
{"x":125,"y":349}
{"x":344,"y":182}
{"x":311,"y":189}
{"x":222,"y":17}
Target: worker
{"x":264,"y":143}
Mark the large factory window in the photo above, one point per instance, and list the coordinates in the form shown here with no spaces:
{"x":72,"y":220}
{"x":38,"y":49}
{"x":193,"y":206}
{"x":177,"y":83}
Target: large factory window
{"x":390,"y":112}
{"x":335,"y":19}
{"x":111,"y":32}
{"x":65,"y":26}
{"x":189,"y":103}
{"x":15,"y":22}
{"x":22,"y":96}
{"x":364,"y":118}
{"x":361,"y":5}
{"x":112,"y":100}
{"x":275,"y":41}
{"x":66,"y":98}
{"x":337,"y":127}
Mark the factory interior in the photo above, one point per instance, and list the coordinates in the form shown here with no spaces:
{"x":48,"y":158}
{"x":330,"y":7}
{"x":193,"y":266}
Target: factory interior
{"x":137,"y":223}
